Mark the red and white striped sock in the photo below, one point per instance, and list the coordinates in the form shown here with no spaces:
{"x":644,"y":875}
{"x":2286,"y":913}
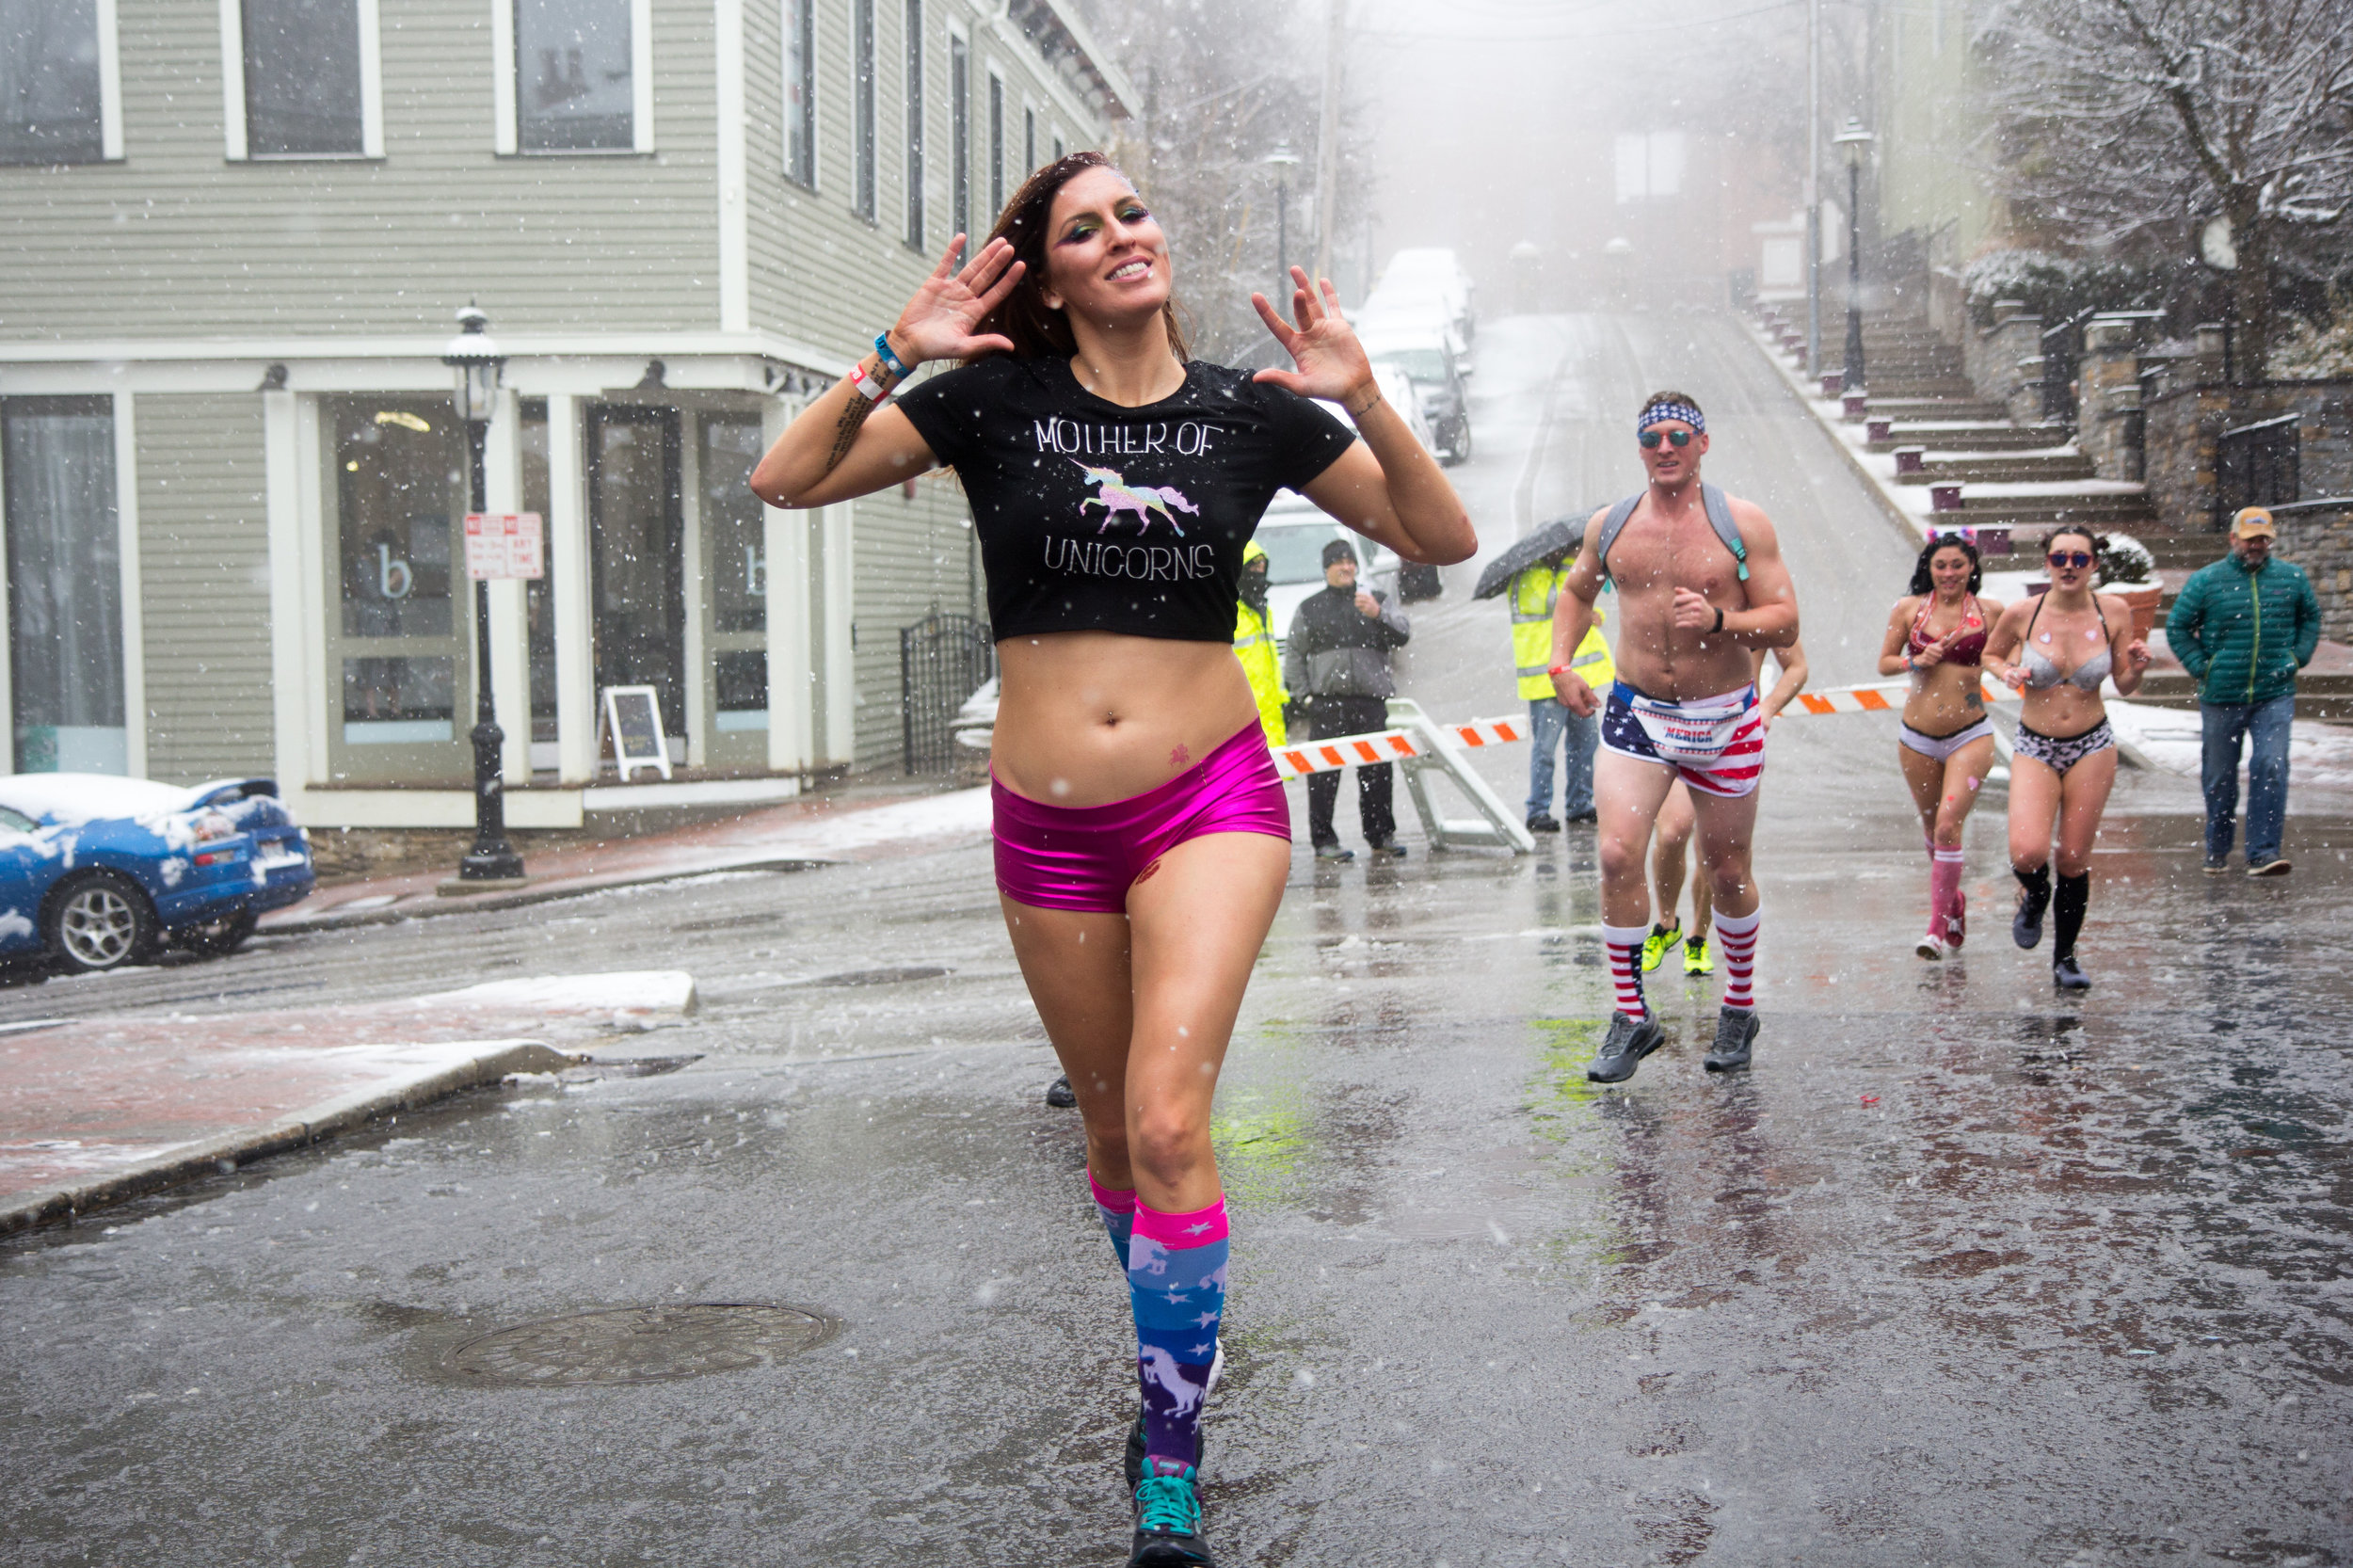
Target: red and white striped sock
{"x":1943,"y":891}
{"x":1625,"y":943}
{"x":1735,"y":936}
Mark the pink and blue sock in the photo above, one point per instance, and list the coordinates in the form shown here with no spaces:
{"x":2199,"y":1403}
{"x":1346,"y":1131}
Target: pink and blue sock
{"x":1177,"y":1284}
{"x":1117,"y":1211}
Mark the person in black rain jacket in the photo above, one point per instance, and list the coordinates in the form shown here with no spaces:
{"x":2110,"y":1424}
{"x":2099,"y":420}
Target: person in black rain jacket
{"x":1337,"y":659}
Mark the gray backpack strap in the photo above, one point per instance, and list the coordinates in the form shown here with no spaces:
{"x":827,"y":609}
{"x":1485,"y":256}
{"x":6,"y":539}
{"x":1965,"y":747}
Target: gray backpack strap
{"x":1720,"y":519}
{"x":1612,"y":525}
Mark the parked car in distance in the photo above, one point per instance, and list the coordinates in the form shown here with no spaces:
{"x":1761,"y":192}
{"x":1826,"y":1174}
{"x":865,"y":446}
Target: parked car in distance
{"x":98,"y":872}
{"x":1426,"y":360}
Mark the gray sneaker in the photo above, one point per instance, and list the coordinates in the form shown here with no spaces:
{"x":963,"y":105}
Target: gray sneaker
{"x":2275,"y":866}
{"x":1625,"y":1045}
{"x":1736,"y":1033}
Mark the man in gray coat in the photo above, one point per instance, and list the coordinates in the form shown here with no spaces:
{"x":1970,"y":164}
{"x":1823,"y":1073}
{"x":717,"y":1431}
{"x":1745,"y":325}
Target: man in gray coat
{"x":1337,"y":658}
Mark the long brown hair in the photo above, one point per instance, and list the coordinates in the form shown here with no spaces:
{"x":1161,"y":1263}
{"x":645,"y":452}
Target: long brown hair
{"x":1037,"y":331}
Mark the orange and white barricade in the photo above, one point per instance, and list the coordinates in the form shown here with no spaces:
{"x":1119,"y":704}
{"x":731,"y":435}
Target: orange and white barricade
{"x":1880,"y":696}
{"x":1422,"y":746}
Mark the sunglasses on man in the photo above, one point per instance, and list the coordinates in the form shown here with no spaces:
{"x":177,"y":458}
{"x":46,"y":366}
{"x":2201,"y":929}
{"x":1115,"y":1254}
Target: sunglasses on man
{"x":2079,"y":559}
{"x":1650,"y":437}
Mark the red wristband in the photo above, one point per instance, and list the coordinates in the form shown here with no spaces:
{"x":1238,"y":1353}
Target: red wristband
{"x":1558,"y":669}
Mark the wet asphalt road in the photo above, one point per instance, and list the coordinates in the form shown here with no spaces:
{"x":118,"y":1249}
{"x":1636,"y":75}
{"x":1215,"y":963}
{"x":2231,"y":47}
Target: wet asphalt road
{"x":1961,"y":1273}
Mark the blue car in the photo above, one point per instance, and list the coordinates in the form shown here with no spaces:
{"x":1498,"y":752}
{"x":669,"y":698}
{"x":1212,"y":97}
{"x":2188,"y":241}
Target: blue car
{"x":98,"y":872}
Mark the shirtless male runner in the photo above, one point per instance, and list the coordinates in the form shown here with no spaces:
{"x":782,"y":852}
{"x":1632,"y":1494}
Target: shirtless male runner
{"x":1697,"y":595}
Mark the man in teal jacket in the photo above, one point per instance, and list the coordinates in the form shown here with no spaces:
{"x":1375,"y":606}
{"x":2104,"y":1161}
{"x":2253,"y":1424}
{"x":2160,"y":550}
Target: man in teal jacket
{"x":2243,"y":626}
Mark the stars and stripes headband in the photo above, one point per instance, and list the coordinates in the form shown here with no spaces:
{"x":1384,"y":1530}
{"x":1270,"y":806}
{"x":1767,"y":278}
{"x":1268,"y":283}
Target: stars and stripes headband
{"x":1658,"y":412}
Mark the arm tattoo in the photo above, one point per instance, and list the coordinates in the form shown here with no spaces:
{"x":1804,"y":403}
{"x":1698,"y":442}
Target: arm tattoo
{"x":854,"y":414}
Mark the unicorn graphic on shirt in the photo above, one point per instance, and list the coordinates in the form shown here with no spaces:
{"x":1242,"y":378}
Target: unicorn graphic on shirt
{"x":1115,"y":495}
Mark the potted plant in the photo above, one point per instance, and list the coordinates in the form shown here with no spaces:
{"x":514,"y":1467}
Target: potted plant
{"x":2128,"y":571}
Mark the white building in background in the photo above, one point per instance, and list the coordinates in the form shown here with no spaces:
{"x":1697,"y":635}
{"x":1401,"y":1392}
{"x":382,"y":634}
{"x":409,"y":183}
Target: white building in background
{"x":235,"y":233}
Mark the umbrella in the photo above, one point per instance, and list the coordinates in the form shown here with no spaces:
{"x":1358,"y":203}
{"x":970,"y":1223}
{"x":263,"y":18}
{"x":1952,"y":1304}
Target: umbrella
{"x":1558,"y":537}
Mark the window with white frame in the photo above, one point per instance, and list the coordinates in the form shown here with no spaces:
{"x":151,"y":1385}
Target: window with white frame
{"x":996,"y":144}
{"x":305,"y":79}
{"x":800,"y":91}
{"x":578,"y":75}
{"x":915,"y":121}
{"x":1058,"y":149}
{"x":959,"y":134}
{"x":1029,"y":141}
{"x":865,"y":198}
{"x":59,"y":101}
{"x":65,"y":585}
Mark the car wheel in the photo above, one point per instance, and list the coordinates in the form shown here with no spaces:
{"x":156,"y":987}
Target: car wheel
{"x":1462,"y":443}
{"x":100,"y":921}
{"x":218,"y":937}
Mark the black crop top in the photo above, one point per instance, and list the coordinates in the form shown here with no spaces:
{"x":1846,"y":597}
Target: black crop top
{"x":1093,"y":517}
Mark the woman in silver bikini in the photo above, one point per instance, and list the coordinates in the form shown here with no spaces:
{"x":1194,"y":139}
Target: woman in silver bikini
{"x":2065,"y":643}
{"x":1936,"y":634}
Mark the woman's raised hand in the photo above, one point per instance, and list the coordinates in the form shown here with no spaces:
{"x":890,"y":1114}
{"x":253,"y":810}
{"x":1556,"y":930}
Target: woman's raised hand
{"x":1331,"y":362}
{"x":938,"y":322}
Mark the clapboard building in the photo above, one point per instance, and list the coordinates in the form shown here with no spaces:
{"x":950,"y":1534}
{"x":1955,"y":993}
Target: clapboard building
{"x":234,"y":238}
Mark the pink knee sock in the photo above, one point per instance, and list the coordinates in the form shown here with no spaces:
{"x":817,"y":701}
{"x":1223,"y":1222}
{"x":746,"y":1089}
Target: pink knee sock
{"x":1943,"y":889}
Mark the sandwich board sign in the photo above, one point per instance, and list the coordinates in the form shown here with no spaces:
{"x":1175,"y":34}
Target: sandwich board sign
{"x":505,"y":545}
{"x":634,"y":716}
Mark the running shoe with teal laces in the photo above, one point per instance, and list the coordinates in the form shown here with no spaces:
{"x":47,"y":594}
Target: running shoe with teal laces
{"x":1168,"y":1524}
{"x":1655,"y":946}
{"x":1695,"y":956}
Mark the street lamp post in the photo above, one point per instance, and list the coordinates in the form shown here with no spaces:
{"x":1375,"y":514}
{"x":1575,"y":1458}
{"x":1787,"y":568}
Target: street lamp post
{"x":477,"y":362}
{"x":1283,"y":158}
{"x":1855,"y":142}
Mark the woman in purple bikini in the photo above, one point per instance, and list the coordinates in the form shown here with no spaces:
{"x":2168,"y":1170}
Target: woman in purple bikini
{"x":1143,"y":836}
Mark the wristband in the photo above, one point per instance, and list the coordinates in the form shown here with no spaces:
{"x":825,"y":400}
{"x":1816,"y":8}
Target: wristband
{"x":1558,"y":669}
{"x":1718,"y":628}
{"x":869,"y":387}
{"x":891,"y":361}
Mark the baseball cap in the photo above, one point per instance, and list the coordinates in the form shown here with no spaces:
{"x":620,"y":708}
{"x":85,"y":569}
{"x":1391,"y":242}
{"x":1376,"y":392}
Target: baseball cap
{"x":2254,"y":521}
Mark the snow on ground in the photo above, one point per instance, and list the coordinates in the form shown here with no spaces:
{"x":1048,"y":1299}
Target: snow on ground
{"x":2318,"y":753}
{"x":957,"y":813}
{"x":621,"y":991}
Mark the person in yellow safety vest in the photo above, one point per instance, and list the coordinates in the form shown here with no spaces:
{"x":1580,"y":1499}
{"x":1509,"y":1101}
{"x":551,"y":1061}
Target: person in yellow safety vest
{"x":1549,"y":721}
{"x":1254,"y":643}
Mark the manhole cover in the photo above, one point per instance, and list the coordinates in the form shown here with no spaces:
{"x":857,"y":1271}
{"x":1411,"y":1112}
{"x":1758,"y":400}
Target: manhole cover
{"x":639,"y":1344}
{"x":879,"y":977}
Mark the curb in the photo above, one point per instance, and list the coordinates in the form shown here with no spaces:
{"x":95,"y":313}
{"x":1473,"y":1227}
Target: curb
{"x":225,"y":1153}
{"x":1906,"y":522}
{"x":427,"y":908}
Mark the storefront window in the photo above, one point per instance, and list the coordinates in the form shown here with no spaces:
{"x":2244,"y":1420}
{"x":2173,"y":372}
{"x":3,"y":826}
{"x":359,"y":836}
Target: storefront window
{"x":539,"y":593}
{"x":735,"y":565}
{"x":65,"y":585}
{"x":401,"y":648}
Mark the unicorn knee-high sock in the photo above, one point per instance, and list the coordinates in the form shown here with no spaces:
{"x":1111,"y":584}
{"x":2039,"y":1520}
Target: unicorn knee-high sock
{"x":1117,"y":1211}
{"x":1177,"y":1284}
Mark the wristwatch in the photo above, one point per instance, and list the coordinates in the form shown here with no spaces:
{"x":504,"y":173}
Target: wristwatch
{"x":1719,"y":627}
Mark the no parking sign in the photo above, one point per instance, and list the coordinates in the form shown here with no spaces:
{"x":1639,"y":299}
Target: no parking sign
{"x":501,"y":545}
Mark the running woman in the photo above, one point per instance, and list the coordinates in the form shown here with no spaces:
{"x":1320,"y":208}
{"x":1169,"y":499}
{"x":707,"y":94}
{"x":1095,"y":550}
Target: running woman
{"x":1701,"y":586}
{"x":1936,"y":634}
{"x":1142,"y":835}
{"x":1675,"y":819}
{"x":2065,"y":643}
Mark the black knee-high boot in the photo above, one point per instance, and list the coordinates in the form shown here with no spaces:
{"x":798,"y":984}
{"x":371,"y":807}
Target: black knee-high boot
{"x":2034,"y":896}
{"x":2068,"y":907}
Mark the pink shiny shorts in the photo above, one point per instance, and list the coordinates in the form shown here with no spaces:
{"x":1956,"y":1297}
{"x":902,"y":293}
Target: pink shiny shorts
{"x":1087,"y":857}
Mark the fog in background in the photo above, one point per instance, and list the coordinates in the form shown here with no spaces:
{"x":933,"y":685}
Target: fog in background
{"x":1566,"y":124}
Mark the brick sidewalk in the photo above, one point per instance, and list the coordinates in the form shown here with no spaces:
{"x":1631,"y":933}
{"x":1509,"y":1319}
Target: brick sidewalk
{"x":805,"y":832}
{"x":96,"y":1110}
